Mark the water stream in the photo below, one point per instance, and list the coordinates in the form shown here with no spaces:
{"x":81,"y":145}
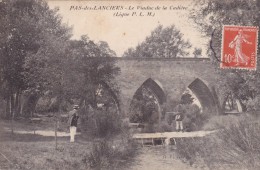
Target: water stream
{"x":159,"y":158}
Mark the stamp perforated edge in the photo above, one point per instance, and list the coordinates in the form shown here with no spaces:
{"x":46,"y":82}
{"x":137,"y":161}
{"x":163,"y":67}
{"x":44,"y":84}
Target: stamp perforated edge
{"x":222,"y":40}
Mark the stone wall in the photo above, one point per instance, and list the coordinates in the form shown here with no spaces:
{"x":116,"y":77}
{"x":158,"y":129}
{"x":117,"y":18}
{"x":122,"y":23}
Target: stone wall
{"x":174,"y":75}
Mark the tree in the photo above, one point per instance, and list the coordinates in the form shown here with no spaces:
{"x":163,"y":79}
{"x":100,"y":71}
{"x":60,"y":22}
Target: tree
{"x":144,"y":107}
{"x":95,"y":69}
{"x":32,"y":38}
{"x":186,"y":98}
{"x":210,"y":16}
{"x":105,"y":49}
{"x":197,"y":52}
{"x":162,"y":43}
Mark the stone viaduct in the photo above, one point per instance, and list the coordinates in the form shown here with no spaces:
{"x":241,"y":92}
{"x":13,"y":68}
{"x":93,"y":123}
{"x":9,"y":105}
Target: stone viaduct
{"x":168,"y":78}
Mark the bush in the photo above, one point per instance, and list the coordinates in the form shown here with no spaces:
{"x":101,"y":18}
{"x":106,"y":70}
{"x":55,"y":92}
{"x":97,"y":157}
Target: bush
{"x":220,"y":122}
{"x":253,"y":105}
{"x":103,"y":124}
{"x":165,"y":127}
{"x":236,"y":146}
{"x":196,"y":121}
{"x":100,"y":155}
{"x":110,"y":155}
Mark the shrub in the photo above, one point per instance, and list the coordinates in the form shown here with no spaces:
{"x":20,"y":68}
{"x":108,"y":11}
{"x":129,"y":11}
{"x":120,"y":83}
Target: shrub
{"x":165,"y":127}
{"x":100,"y":155}
{"x":109,"y":155}
{"x":220,"y":122}
{"x":195,"y":119}
{"x":253,"y":105}
{"x":103,"y":124}
{"x":236,"y":146}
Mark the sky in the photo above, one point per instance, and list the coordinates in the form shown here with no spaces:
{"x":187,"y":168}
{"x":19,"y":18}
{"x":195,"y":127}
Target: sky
{"x":122,"y":33}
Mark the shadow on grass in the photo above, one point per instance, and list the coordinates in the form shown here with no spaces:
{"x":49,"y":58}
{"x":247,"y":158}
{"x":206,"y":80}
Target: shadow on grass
{"x":7,"y":136}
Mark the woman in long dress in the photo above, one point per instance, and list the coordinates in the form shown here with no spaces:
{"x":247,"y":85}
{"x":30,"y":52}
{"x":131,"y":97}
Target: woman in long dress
{"x":240,"y":57}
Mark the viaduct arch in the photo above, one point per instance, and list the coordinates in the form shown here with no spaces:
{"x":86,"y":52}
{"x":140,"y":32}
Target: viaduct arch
{"x":168,"y":78}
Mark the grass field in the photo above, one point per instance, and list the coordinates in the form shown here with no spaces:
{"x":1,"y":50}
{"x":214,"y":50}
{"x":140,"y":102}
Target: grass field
{"x":33,"y":151}
{"x":234,"y":146}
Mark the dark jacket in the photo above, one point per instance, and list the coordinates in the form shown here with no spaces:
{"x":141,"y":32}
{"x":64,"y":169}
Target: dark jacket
{"x":179,"y":117}
{"x":73,"y":118}
{"x":74,"y":121}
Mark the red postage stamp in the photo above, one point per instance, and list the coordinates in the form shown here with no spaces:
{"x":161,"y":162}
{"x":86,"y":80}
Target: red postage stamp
{"x":239,"y":47}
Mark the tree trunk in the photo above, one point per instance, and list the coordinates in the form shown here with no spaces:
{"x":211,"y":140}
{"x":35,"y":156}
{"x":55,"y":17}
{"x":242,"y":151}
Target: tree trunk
{"x":12,"y":112}
{"x":21,"y":104}
{"x":34,"y":103}
{"x":224,"y":102}
{"x":3,"y":109}
{"x":16,"y":103}
{"x":57,"y":118}
{"x":7,"y":108}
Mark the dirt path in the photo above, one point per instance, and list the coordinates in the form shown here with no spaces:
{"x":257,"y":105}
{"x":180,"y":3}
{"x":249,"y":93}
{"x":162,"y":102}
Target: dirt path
{"x":49,"y":133}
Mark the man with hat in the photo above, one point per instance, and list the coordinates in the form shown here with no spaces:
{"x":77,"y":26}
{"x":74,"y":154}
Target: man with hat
{"x":179,"y":116}
{"x":73,"y":121}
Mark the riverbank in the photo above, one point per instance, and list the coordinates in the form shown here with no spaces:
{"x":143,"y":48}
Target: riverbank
{"x":27,"y":150}
{"x":160,"y":158}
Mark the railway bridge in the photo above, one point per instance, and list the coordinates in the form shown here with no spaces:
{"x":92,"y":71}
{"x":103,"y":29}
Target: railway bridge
{"x":167,"y":79}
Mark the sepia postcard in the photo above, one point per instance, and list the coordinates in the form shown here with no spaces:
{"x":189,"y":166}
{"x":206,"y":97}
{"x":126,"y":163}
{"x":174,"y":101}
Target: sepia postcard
{"x":129,"y":84}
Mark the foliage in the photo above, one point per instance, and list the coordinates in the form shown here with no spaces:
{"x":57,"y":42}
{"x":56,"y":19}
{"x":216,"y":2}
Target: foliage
{"x":38,"y":57}
{"x":253,"y":105}
{"x":102,"y":123}
{"x":106,"y":155}
{"x":162,"y":43}
{"x":34,"y":151}
{"x":210,"y":16}
{"x":235,"y":146}
{"x":144,"y":107}
{"x":194,"y":118}
{"x":220,"y":122}
{"x":186,"y":98}
{"x":101,"y":155}
{"x":94,"y":69}
{"x":32,"y":38}
{"x":197,"y":52}
{"x":165,"y":126}
{"x":108,"y":123}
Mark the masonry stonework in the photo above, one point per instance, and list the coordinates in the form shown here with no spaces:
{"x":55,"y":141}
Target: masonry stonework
{"x":174,"y":75}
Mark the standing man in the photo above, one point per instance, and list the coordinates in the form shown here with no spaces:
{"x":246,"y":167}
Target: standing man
{"x":73,"y":121}
{"x":179,"y":116}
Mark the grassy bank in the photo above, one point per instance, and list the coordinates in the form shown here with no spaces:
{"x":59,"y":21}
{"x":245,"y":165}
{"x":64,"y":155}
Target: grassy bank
{"x":37,"y":152}
{"x":235,"y":146}
{"x":32,"y":151}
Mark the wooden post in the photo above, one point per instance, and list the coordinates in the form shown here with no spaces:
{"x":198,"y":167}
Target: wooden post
{"x":12,"y":114}
{"x":174,"y":141}
{"x":56,"y":127}
{"x":33,"y":127}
